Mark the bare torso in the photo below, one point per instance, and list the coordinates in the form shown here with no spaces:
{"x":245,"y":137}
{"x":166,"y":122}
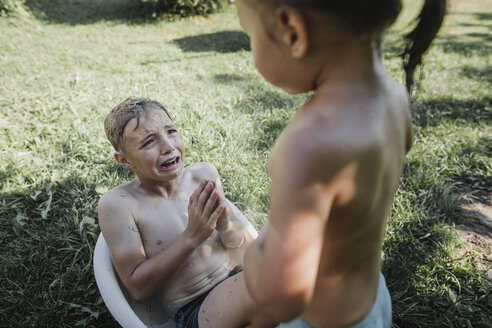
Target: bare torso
{"x":160,"y":221}
{"x":372,"y":131}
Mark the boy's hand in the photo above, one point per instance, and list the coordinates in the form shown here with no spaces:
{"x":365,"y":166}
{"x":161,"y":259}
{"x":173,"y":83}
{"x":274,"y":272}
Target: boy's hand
{"x":224,"y":220}
{"x":204,"y":209}
{"x":223,"y":223}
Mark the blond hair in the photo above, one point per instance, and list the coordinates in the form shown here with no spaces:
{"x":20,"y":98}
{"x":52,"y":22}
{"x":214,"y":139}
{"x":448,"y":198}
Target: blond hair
{"x":116,"y":121}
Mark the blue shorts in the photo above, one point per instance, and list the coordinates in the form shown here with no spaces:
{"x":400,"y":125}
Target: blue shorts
{"x":378,"y":317}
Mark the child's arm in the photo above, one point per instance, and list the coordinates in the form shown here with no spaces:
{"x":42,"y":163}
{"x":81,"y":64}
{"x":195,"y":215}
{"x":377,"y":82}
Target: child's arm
{"x":281,"y":269}
{"x":144,"y":276}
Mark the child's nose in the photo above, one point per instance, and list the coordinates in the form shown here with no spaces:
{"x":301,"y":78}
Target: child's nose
{"x":166,"y":146}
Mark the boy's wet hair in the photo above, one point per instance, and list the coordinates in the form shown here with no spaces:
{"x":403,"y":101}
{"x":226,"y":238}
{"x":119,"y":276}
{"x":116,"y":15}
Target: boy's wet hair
{"x":367,"y":16}
{"x":116,"y":121}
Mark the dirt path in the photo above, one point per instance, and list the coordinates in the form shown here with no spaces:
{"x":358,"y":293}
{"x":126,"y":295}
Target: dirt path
{"x":476,"y":230}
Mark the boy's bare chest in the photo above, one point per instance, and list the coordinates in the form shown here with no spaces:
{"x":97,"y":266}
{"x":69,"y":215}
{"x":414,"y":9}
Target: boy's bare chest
{"x":160,"y":222}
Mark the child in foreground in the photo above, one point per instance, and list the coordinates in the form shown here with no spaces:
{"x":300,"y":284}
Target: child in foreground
{"x":337,"y":165}
{"x":170,"y":231}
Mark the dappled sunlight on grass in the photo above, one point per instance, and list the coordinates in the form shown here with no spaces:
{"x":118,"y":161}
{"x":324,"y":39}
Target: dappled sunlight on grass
{"x":60,"y":76}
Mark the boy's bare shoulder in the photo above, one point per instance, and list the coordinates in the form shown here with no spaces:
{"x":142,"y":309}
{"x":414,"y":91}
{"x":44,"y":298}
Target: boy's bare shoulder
{"x":202,"y":170}
{"x":116,"y":200}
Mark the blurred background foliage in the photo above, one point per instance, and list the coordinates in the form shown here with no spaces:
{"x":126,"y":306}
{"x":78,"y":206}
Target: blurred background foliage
{"x":91,"y":10}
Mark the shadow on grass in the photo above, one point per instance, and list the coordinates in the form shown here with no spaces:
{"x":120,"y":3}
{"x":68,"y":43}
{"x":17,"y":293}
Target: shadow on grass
{"x":75,"y":12}
{"x":264,"y":101}
{"x":271,"y":129}
{"x":453,"y":44}
{"x":471,"y":43}
{"x":157,"y":61}
{"x":483,"y":16}
{"x":435,"y":111}
{"x":474,"y":181}
{"x":221,"y":42}
{"x":428,"y":285}
{"x":48,"y":234}
{"x":483,"y":36}
{"x":393,"y":44}
{"x":469,"y":25}
{"x":271,"y":112}
{"x":228,"y":78}
{"x":478,"y":74}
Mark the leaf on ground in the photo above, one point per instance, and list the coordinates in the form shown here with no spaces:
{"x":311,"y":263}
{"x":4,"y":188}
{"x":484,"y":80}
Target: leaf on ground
{"x":86,"y":220}
{"x":44,"y":212}
{"x":21,"y":219}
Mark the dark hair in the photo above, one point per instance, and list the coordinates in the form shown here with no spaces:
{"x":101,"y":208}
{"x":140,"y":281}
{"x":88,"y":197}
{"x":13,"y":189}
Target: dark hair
{"x":418,"y":41}
{"x":366,"y":15}
{"x":359,"y":15}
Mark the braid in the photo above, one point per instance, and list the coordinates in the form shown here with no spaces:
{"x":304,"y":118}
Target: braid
{"x":418,"y":41}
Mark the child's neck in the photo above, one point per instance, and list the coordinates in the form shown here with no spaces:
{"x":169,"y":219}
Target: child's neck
{"x":167,"y":189}
{"x":355,"y":62}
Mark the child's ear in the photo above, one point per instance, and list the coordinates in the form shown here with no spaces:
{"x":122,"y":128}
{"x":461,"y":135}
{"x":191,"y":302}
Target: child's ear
{"x":122,"y":160}
{"x":294,"y":32}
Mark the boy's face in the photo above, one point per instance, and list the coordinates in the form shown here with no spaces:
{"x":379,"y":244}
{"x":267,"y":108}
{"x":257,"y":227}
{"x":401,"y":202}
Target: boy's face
{"x":154,"y":149}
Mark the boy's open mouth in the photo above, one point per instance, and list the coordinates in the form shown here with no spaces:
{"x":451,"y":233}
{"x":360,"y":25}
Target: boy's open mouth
{"x":171,"y":163}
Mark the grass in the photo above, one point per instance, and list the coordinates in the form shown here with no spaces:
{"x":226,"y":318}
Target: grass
{"x":63,"y":70}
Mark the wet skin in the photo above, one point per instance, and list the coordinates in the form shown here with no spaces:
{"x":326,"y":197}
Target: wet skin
{"x":334,"y":169}
{"x":171,"y":231}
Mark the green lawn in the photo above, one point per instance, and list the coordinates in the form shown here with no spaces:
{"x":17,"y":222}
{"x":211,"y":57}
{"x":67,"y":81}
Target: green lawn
{"x":61,"y":72}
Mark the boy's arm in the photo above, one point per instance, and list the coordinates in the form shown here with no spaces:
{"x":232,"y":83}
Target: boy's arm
{"x":144,"y":276}
{"x":231,"y":231}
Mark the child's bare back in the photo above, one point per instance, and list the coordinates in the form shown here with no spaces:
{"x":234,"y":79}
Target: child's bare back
{"x":344,"y":163}
{"x":337,"y":165}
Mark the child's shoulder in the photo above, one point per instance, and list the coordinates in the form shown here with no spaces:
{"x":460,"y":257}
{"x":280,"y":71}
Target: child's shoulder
{"x":202,"y":170}
{"x":115,"y":198}
{"x":337,"y":136}
{"x":313,"y":133}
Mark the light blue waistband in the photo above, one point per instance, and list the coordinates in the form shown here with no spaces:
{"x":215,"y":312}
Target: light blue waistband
{"x":378,"y":317}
